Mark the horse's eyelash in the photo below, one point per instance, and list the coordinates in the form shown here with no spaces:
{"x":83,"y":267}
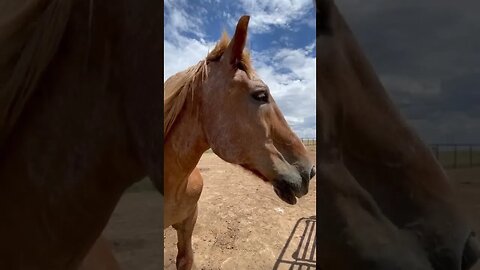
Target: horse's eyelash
{"x":241,"y":66}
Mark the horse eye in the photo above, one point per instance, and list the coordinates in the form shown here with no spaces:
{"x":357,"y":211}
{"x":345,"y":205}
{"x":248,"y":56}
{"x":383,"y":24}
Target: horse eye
{"x":261,"y":96}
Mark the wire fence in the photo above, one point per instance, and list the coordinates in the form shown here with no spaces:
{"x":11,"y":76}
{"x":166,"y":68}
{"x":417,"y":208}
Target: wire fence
{"x":309,"y":141}
{"x":457,"y":155}
{"x":449,"y":155}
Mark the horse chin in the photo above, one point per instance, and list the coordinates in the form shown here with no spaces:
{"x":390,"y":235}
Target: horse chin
{"x":281,"y":188}
{"x":255,"y":172}
{"x":287,"y":195}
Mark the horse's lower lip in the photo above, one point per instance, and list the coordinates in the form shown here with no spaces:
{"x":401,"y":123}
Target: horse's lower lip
{"x":286,"y":195}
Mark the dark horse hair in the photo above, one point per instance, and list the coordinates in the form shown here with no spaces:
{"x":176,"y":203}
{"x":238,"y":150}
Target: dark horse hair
{"x":323,"y":13}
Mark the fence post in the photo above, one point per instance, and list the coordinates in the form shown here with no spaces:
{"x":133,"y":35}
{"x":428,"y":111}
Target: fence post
{"x":437,"y":154}
{"x":454,"y":156}
{"x":470,"y":155}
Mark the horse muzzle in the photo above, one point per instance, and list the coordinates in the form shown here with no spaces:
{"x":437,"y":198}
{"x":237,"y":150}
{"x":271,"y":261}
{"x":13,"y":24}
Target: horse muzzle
{"x":289,"y":188}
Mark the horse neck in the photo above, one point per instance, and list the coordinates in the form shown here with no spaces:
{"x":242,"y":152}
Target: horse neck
{"x":361,"y":125}
{"x":185,"y":142}
{"x":71,"y":169}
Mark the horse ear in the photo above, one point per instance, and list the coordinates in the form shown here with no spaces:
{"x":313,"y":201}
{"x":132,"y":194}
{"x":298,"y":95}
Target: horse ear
{"x":234,"y":51}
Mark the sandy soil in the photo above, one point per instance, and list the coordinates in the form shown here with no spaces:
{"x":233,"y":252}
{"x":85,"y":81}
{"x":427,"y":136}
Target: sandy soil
{"x":241,"y":224}
{"x":135,"y":231}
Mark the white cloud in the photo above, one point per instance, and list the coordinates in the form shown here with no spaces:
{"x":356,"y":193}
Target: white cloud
{"x":445,"y":127}
{"x":268,"y":13}
{"x":183,"y":52}
{"x":179,"y":21}
{"x":310,"y":48}
{"x":291,"y":77}
{"x":411,"y":86}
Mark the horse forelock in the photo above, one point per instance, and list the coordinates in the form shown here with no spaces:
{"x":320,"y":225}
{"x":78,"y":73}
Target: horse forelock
{"x":245,"y":61}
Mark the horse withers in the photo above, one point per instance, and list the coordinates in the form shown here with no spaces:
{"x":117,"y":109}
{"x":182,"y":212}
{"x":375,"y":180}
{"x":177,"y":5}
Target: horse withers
{"x":222,"y":104}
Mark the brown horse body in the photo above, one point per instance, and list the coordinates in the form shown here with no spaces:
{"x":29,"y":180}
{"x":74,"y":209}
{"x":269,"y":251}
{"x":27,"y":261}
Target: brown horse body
{"x":79,"y":122}
{"x":220,"y":103}
{"x":384,"y":201}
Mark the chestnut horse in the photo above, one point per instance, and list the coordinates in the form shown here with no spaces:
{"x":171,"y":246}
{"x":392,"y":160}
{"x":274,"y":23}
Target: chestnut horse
{"x":222,"y":104}
{"x":384,"y":200}
{"x":80,"y":121}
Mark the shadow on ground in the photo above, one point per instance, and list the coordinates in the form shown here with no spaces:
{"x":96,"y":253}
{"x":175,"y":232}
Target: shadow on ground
{"x":299,"y":251}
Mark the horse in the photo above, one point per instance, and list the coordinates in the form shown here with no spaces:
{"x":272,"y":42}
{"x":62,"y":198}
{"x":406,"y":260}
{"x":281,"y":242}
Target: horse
{"x":222,"y":104}
{"x":80,"y":121}
{"x":384,"y":202}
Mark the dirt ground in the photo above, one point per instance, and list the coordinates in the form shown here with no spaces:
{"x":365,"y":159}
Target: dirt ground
{"x":242,"y":224}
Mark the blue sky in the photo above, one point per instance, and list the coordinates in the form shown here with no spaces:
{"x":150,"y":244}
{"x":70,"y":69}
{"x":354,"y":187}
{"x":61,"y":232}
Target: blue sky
{"x":281,"y":40}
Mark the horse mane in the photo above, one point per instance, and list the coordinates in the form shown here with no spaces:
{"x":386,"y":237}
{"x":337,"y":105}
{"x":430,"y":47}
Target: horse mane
{"x":178,"y":86}
{"x":324,"y":17}
{"x":30,"y":32}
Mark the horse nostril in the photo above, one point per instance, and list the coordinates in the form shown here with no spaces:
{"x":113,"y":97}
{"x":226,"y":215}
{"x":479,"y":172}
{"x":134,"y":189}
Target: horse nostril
{"x":312,"y":172}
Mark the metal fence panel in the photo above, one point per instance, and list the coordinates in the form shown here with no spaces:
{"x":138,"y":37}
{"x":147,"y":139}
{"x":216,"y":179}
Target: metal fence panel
{"x":449,"y":155}
{"x":457,"y":155}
